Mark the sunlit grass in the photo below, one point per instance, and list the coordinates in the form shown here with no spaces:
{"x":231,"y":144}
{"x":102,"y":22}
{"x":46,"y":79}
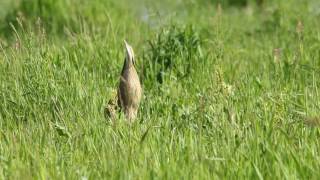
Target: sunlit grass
{"x":230,"y":91}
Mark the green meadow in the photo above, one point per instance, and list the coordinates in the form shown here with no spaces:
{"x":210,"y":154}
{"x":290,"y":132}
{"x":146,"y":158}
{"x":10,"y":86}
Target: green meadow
{"x":230,"y":89}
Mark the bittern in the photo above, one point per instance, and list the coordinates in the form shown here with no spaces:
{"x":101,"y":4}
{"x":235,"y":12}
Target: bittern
{"x":129,"y":91}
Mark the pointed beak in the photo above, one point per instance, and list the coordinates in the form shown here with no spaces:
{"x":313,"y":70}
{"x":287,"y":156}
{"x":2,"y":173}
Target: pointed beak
{"x":127,"y":46}
{"x":129,"y":51}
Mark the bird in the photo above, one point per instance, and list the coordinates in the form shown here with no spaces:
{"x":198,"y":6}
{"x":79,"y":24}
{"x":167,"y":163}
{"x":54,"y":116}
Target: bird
{"x":129,"y":92}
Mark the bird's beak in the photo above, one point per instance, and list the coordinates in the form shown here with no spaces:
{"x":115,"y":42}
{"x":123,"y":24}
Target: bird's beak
{"x":129,"y":51}
{"x":126,"y":44}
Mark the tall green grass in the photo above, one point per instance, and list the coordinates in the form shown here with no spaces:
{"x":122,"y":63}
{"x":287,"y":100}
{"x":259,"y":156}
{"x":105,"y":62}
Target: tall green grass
{"x":229,"y":90}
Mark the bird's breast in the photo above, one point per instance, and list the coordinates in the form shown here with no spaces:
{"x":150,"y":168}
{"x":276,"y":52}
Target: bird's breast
{"x":130,"y":87}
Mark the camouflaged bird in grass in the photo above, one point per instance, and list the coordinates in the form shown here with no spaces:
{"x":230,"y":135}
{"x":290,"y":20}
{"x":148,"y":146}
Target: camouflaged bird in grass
{"x":129,"y":92}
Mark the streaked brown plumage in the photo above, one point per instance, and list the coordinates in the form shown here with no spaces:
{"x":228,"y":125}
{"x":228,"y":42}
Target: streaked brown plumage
{"x":129,"y":91}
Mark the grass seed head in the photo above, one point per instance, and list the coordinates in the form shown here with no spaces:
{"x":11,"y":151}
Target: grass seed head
{"x":299,"y":28}
{"x":276,"y":55}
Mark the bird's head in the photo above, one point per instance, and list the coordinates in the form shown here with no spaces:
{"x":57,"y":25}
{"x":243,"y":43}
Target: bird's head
{"x":129,"y":54}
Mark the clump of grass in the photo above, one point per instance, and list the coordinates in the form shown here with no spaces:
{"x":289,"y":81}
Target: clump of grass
{"x":53,"y":13}
{"x":59,"y":16}
{"x":173,"y":53}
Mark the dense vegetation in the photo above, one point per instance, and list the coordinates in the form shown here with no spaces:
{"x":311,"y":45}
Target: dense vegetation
{"x":230,"y":89}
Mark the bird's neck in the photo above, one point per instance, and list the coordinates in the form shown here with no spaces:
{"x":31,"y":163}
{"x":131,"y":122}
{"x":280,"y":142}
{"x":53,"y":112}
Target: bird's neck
{"x":127,"y":64}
